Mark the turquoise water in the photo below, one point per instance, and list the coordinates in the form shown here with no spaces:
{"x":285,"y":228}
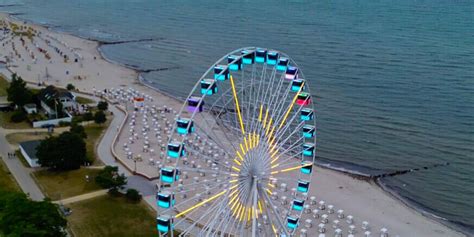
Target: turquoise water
{"x":394,"y":79}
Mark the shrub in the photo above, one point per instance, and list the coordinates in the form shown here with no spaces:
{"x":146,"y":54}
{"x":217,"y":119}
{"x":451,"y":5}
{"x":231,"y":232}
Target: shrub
{"x":64,"y":124}
{"x":100,"y":117}
{"x":133,"y":195}
{"x":103,"y":105}
{"x":18,"y":116}
{"x":70,"y":87}
{"x":88,"y":116}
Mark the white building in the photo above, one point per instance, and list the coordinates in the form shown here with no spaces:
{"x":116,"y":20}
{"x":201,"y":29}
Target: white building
{"x":28,"y":150}
{"x":30,"y":108}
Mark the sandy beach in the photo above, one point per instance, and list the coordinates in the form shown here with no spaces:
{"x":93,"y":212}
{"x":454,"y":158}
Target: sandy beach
{"x":91,"y":72}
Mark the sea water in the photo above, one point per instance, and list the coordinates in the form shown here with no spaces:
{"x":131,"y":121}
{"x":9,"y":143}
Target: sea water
{"x":394,"y":80}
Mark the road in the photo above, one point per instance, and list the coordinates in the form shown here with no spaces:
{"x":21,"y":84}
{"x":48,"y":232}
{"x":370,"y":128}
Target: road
{"x":20,"y":172}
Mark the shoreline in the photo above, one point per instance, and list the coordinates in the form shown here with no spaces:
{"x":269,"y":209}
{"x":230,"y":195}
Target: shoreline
{"x":353,"y":174}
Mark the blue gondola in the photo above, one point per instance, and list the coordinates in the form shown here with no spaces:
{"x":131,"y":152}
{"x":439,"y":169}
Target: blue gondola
{"x":282,"y":64}
{"x":306,"y":167}
{"x":291,"y":73}
{"x":298,"y":204}
{"x":308,"y":149}
{"x":176,"y":150}
{"x":260,"y":55}
{"x":303,"y":186}
{"x":235,"y":62}
{"x":272,"y":57}
{"x":164,"y":223}
{"x":297,"y":84}
{"x":195,"y":104}
{"x":184,"y":126}
{"x":167,"y":174}
{"x":208,"y":86}
{"x":221,"y":72}
{"x":307,"y":114}
{"x":165,"y":199}
{"x":309,"y":131}
{"x":292,"y":222}
{"x":248,"y":57}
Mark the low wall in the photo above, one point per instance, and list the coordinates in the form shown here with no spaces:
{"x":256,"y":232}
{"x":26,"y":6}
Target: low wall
{"x":55,"y":122}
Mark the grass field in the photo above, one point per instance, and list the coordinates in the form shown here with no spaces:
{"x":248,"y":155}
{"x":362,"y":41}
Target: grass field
{"x":83,"y":100}
{"x":3,"y":86}
{"x":61,"y":185}
{"x":94,"y":132}
{"x":7,"y":182}
{"x":6,"y":123}
{"x":111,"y":216}
{"x":16,"y":138}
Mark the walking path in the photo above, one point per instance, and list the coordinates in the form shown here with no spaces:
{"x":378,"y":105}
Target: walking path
{"x":20,"y":172}
{"x":82,"y":197}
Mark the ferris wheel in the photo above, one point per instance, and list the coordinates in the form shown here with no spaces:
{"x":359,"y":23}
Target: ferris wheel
{"x":245,"y":133}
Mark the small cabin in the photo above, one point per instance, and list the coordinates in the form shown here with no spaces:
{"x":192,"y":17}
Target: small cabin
{"x":221,"y":72}
{"x":306,"y":114}
{"x":165,"y":199}
{"x":184,"y":126}
{"x":303,"y":186}
{"x":298,"y":204}
{"x":260,"y":55}
{"x":164,"y":223}
{"x":308,"y":149}
{"x":235,"y":62}
{"x":176,"y":150}
{"x":272,"y":57}
{"x":248,"y":57}
{"x":309,"y":131}
{"x":282,"y":64}
{"x":169,"y":174}
{"x":303,"y":98}
{"x":195,"y":104}
{"x":291,"y":73}
{"x":292,"y":222}
{"x":298,"y":84}
{"x":306,"y":167}
{"x":208,"y":86}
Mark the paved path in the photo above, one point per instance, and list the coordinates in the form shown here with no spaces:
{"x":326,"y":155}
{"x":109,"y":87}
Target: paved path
{"x":82,"y":197}
{"x":20,"y":172}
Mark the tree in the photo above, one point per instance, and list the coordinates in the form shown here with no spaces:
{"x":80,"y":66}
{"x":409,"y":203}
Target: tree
{"x":88,"y":116}
{"x":18,"y":116}
{"x":99,"y":117}
{"x":110,"y":178}
{"x":103,"y":105}
{"x":70,"y":87}
{"x":18,"y":94}
{"x":23,"y":217}
{"x":133,"y":195}
{"x":78,"y":129}
{"x":65,"y":152}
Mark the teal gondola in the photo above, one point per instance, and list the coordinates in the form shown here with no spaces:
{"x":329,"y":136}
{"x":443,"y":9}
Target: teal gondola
{"x":306,"y":167}
{"x":260,"y":55}
{"x":235,"y":62}
{"x":308,"y":149}
{"x":248,"y":57}
{"x":272,"y":57}
{"x":282,"y":64}
{"x":208,"y":86}
{"x":164,"y":223}
{"x":165,"y":199}
{"x":292,"y":222}
{"x":184,"y":126}
{"x":306,"y":114}
{"x":221,"y":72}
{"x":309,"y":131}
{"x":303,"y":186}
{"x":298,"y":204}
{"x":297,"y":84}
{"x":176,"y":150}
{"x":167,"y":174}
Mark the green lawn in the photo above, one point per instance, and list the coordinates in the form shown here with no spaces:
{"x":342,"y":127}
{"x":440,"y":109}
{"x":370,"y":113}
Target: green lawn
{"x":61,"y":185}
{"x":94,"y":133}
{"x":111,"y":216}
{"x":7,"y":182}
{"x":16,"y":138}
{"x":6,"y":123}
{"x":83,"y":100}
{"x":3,"y":86}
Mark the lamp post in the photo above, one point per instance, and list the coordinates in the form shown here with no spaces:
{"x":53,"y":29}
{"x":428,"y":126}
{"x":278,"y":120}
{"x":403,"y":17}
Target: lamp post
{"x":135,"y":159}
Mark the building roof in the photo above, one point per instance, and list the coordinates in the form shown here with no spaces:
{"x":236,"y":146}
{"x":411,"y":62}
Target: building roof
{"x":51,"y":92}
{"x":30,"y":148}
{"x":30,"y":106}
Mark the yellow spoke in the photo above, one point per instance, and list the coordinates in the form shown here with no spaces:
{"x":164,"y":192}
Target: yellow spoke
{"x":200,"y":204}
{"x":291,"y":107}
{"x":237,"y":107}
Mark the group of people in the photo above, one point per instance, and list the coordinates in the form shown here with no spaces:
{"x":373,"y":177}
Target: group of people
{"x":11,"y":155}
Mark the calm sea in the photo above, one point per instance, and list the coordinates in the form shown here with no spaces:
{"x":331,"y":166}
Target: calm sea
{"x":394,"y":79}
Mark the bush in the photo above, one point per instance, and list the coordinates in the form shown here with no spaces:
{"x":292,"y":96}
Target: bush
{"x":18,"y":116}
{"x":88,"y":116}
{"x":100,"y":117}
{"x":64,"y":124}
{"x":133,"y":195}
{"x":103,"y":105}
{"x":70,"y":87}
